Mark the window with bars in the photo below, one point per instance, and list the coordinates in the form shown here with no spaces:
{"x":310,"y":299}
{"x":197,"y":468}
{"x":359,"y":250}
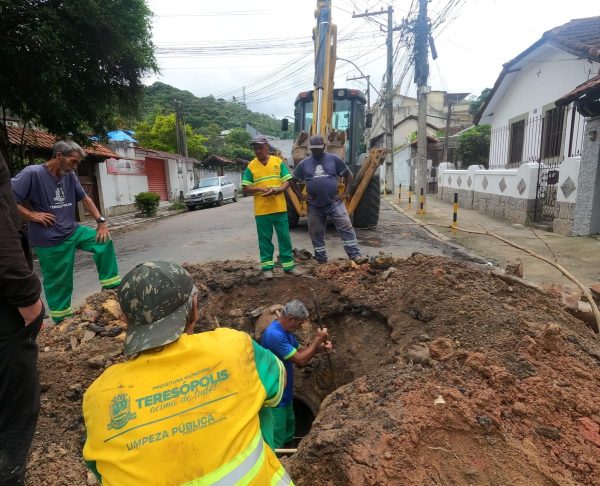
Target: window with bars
{"x":552,"y":133}
{"x":517,"y":138}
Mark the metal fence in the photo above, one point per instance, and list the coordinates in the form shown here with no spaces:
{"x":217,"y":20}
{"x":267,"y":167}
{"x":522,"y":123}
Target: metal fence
{"x":547,"y":138}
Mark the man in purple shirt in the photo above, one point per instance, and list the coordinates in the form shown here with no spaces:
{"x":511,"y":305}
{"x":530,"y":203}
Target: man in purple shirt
{"x":53,"y":190}
{"x":320,"y":171}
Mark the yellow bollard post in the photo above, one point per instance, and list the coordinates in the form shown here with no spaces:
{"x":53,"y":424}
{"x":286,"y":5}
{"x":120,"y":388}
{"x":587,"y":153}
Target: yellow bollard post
{"x":455,"y":212}
{"x":422,"y":202}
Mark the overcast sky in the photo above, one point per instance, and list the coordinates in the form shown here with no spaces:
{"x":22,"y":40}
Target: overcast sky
{"x":265,"y":46}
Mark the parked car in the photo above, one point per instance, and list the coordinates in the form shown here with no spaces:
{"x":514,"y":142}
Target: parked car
{"x":212,"y":190}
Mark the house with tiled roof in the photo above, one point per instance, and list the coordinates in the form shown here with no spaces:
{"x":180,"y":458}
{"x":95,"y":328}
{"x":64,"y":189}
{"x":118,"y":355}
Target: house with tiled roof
{"x":524,"y":95}
{"x":527,"y":123}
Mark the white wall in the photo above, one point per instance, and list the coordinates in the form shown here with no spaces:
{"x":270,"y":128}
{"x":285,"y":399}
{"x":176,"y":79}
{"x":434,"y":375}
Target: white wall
{"x":118,"y":190}
{"x":489,"y":181}
{"x":402,"y":167}
{"x":568,"y":169}
{"x":544,"y":75}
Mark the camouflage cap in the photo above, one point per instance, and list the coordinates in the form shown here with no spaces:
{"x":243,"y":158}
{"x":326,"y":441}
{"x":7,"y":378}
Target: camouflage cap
{"x":155,"y":297}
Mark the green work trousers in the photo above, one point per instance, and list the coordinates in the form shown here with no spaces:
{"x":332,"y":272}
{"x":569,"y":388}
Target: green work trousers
{"x":264,"y":227}
{"x":284,"y":425}
{"x":57,"y":264}
{"x":266,"y":425}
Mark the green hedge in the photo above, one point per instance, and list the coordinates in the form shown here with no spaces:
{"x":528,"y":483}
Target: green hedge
{"x":147,"y":203}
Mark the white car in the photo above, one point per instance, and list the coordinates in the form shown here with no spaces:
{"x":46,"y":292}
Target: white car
{"x":212,"y":190}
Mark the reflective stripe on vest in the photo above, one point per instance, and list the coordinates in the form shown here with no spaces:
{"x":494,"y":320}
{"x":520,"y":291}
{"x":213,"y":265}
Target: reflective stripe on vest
{"x":240,"y":469}
{"x":281,"y":478}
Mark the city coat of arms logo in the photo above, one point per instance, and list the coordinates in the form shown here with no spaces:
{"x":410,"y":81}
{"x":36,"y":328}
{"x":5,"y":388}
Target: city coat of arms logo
{"x":120,"y":411}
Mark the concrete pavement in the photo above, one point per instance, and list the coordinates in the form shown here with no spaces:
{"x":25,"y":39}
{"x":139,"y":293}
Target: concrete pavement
{"x":579,"y":255}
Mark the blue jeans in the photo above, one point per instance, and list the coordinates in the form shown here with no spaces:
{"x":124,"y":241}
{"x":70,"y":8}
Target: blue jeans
{"x":317,"y":225}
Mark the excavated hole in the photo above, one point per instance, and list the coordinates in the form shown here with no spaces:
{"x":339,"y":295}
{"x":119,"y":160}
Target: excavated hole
{"x":362,"y":338}
{"x":304,"y":419}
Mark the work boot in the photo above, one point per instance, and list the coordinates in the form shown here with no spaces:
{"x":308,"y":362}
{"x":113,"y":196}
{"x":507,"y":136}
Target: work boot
{"x":360,"y":259}
{"x":294,"y":272}
{"x":268,"y":274}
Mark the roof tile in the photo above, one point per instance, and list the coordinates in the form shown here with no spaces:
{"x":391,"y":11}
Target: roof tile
{"x":45,"y":140}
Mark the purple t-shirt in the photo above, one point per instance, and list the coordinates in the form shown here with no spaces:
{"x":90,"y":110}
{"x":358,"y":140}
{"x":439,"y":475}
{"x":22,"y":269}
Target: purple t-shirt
{"x":321,"y":177}
{"x":48,"y":194}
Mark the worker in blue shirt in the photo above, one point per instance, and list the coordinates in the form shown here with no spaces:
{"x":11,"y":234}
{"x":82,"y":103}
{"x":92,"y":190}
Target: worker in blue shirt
{"x":280,"y":340}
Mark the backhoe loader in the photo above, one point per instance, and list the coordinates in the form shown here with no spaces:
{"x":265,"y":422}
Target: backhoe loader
{"x":339,"y":115}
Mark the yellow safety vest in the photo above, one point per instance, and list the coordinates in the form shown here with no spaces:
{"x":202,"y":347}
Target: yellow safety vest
{"x":185,"y":414}
{"x":272,"y":175}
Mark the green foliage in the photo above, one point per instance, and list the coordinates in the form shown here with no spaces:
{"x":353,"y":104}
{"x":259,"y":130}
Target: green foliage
{"x":237,"y":145}
{"x":476,"y":102}
{"x":147,"y":203}
{"x":215,"y":143}
{"x":202,"y":112}
{"x":238,"y":137}
{"x":71,"y":65}
{"x":161,"y":135}
{"x":474,"y":146}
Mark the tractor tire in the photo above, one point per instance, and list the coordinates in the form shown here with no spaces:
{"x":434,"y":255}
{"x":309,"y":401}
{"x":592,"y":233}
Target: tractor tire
{"x":366,"y":214}
{"x":293,"y":217}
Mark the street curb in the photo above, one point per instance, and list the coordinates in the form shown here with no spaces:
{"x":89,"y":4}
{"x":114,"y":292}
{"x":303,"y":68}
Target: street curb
{"x":144,"y":221}
{"x":135,"y":222}
{"x":423,"y":225}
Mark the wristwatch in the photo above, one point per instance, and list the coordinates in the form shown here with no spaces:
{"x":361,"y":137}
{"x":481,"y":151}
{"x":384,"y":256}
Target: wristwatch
{"x":101,"y":220}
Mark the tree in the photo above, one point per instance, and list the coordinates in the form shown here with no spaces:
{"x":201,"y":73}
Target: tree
{"x":215,"y":143}
{"x":474,"y":146}
{"x":71,"y":65}
{"x":238,"y":137}
{"x":476,"y":102}
{"x":237,"y":144}
{"x":161,"y":135}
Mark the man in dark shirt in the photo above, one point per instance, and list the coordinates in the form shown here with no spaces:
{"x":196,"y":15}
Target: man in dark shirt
{"x":320,"y":171}
{"x":21,"y":315}
{"x":53,"y":191}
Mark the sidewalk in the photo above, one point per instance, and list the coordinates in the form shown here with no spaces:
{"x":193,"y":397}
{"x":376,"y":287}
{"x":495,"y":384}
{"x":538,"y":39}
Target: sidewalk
{"x":129,"y":220}
{"x":579,"y":255}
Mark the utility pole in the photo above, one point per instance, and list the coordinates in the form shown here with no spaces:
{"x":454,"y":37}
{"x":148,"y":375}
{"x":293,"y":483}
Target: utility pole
{"x":447,"y":134}
{"x":389,"y":90}
{"x":368,"y":78}
{"x":180,"y":130}
{"x":422,"y":75}
{"x":244,"y":95}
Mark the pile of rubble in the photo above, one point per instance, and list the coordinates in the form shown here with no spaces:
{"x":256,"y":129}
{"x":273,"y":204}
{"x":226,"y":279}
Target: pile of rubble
{"x":442,"y":373}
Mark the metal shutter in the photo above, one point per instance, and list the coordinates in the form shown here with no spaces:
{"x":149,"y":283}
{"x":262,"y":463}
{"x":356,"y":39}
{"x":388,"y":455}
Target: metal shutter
{"x":157,"y":179}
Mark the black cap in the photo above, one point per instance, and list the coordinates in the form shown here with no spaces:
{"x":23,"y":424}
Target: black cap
{"x":259,"y":140}
{"x":316,"y":142}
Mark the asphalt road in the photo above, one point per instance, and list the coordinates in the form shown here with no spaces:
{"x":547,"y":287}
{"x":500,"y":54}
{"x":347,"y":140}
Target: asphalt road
{"x":228,"y":233}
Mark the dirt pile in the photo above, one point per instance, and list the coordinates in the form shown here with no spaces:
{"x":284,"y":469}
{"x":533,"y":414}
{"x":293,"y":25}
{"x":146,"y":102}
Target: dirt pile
{"x":442,"y":374}
{"x":493,"y":384}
